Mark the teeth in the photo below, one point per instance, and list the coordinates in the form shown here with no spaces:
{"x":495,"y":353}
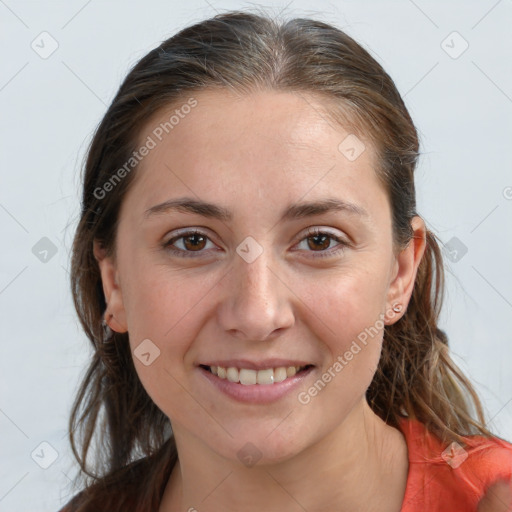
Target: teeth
{"x":232,"y":374}
{"x":291,"y":371}
{"x":264,"y":376}
{"x":249,"y":377}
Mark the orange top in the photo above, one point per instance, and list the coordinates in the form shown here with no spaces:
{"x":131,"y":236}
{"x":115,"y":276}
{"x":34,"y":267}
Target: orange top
{"x":455,"y":479}
{"x":452,"y":479}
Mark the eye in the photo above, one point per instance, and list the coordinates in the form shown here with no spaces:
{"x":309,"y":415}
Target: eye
{"x":319,"y":241}
{"x":192,"y":242}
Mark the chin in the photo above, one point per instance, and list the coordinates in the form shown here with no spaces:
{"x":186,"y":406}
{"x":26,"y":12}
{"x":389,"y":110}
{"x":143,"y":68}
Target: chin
{"x":263,"y":446}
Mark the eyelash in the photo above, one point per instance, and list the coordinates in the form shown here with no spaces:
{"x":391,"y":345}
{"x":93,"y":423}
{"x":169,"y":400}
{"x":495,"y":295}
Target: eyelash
{"x":311,"y":233}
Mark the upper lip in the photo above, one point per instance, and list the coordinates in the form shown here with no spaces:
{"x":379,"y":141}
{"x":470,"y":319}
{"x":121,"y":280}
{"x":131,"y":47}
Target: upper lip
{"x":256,"y":365}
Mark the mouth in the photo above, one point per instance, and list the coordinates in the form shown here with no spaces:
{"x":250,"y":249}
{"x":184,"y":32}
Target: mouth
{"x":256,"y":377}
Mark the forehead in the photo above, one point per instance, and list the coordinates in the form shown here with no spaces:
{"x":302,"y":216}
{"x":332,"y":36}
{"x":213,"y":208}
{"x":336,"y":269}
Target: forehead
{"x":297,"y":120}
{"x":279,"y":145}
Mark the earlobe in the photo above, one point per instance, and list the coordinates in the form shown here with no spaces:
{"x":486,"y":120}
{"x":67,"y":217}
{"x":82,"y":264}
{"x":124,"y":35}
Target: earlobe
{"x":115,"y":315}
{"x":405,"y":270}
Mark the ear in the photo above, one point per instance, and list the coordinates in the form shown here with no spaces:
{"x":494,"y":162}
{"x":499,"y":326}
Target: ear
{"x":405,"y":268}
{"x":115,"y":314}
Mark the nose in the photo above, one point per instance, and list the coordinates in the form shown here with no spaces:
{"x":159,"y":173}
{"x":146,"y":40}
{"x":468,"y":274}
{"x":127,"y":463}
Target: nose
{"x":257,"y":303}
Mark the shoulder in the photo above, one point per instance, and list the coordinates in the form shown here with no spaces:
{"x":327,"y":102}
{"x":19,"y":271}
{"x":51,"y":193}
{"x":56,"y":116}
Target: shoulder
{"x":489,"y":469}
{"x":481,"y":454}
{"x":456,"y":475}
{"x":482,"y":461}
{"x":497,"y":498}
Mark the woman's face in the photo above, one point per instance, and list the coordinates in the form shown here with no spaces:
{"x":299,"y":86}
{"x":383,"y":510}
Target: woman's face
{"x":255,"y":289}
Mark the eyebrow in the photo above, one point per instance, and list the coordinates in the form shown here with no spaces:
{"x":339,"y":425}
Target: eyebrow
{"x":292,"y":212}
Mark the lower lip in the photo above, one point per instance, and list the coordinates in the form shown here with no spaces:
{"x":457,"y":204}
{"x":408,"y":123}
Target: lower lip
{"x":256,"y":393}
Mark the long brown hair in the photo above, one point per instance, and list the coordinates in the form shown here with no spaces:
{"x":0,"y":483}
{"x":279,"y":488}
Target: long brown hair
{"x":244,"y":52}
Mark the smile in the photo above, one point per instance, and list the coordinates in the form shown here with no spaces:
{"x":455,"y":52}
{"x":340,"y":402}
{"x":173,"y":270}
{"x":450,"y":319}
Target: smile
{"x":250,"y":377}
{"x":264,"y":383}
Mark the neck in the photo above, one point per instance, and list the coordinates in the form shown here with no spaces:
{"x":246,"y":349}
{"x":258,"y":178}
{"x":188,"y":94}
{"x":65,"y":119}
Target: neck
{"x":362,"y":465}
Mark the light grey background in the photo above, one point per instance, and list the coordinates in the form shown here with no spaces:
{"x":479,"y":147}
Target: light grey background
{"x":462,"y":106}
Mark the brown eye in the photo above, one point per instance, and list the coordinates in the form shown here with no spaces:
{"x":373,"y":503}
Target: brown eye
{"x":320,"y":241}
{"x":192,"y":243}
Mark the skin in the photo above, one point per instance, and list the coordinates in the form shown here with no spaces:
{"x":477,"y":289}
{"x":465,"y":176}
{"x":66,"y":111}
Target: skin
{"x":255,"y":155}
{"x":498,"y":498}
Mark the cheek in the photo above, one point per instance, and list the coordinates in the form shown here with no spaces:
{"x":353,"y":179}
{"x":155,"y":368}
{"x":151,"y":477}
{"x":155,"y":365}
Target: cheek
{"x":347,"y":304}
{"x":160,"y":301}
{"x":349,"y":322}
{"x":163,"y":311}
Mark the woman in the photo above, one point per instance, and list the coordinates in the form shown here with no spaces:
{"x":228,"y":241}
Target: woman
{"x":252,"y":273}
